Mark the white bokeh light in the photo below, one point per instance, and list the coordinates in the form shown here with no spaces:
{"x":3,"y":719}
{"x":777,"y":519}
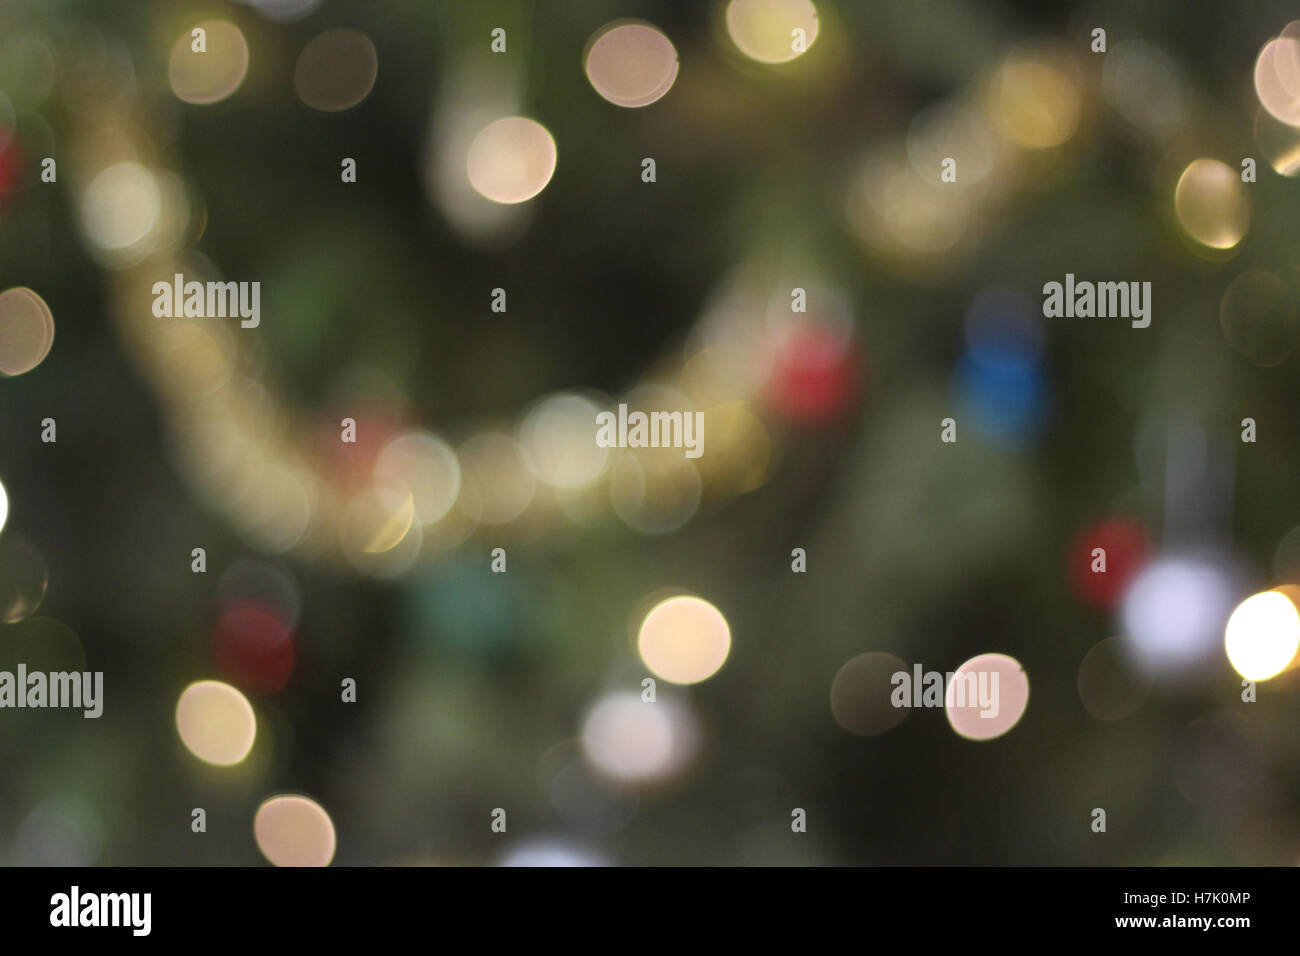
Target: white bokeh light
{"x":1174,"y":613}
{"x":1262,"y":636}
{"x":549,"y":851}
{"x":632,"y":740}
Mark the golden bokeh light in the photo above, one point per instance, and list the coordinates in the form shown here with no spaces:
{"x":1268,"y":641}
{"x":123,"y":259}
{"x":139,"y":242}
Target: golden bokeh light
{"x":196,"y":358}
{"x":720,"y":373}
{"x":631,"y":64}
{"x":1211,"y":204}
{"x":336,"y":70}
{"x":500,"y":474}
{"x":772,"y":31}
{"x":293,"y":830}
{"x":383,"y":515}
{"x":272,"y":506}
{"x":1035,"y":103}
{"x":511,"y":160}
{"x":427,"y":467}
{"x":121,"y":212}
{"x":950,"y":129}
{"x":656,"y":490}
{"x":210,"y":76}
{"x":559,"y":435}
{"x":684,"y":639}
{"x":1262,"y":636}
{"x":216,"y":722}
{"x":740,"y":449}
{"x":378,"y":531}
{"x":26,"y":331}
{"x":458,"y":524}
{"x":895,"y":210}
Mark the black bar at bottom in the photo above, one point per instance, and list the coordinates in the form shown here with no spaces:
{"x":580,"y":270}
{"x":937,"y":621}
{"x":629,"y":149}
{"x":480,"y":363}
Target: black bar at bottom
{"x":334,"y":905}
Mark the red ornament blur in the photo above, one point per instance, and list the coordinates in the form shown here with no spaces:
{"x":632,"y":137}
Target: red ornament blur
{"x":1126,"y":547}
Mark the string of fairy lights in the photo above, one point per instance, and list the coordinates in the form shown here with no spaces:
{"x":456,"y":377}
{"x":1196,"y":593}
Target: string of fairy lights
{"x":253,"y":454}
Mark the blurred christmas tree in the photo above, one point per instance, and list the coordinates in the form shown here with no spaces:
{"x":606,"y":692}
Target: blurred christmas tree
{"x":796,"y":266}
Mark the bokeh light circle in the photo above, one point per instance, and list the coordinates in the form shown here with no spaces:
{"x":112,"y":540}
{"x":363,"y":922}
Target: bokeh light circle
{"x":1009,"y":697}
{"x":1174,"y":613}
{"x":637,"y":741}
{"x":1279,"y":142}
{"x":284,"y":11}
{"x":336,"y":70}
{"x":558,"y":433}
{"x":815,"y":372}
{"x":764,"y":30}
{"x":121,"y":210}
{"x":1262,"y":636}
{"x":216,"y":722}
{"x":1277,"y":79}
{"x":861,"y":692}
{"x":213,"y":75}
{"x":1146,"y":86}
{"x":1036,"y":104}
{"x":631,"y":64}
{"x":551,"y":852}
{"x":684,"y":639}
{"x":1211,"y":204}
{"x":26,"y":331}
{"x":511,"y":160}
{"x":502,"y":476}
{"x":427,"y":467}
{"x":293,"y":830}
